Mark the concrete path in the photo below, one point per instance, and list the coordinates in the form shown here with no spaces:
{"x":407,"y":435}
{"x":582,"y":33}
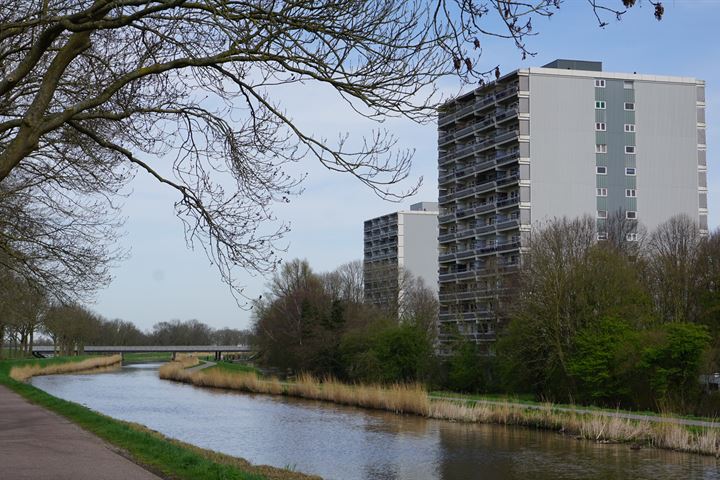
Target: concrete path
{"x":605,"y":413}
{"x":202,"y":366}
{"x":38,"y":444}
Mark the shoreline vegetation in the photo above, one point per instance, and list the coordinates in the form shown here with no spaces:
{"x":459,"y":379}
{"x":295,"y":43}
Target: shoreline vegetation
{"x":413,"y":399}
{"x":24,"y":373}
{"x":166,"y":457}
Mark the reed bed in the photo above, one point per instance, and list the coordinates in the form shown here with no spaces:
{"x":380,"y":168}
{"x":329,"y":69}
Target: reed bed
{"x":90,"y":365}
{"x":413,"y":399}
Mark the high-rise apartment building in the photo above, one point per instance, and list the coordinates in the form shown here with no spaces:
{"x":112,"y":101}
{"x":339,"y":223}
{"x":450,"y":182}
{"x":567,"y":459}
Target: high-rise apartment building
{"x":404,"y":241}
{"x":566,"y":139}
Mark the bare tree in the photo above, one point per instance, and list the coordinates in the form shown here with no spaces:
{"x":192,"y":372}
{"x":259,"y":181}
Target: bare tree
{"x":673,"y":266}
{"x":346,"y":282}
{"x":92,"y":91}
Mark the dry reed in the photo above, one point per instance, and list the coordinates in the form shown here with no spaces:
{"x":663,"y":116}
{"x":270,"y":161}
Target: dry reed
{"x":26,"y":372}
{"x":413,"y":399}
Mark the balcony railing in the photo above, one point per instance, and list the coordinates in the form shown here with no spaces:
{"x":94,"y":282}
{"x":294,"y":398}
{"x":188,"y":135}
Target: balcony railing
{"x":503,"y":115}
{"x":506,"y":224}
{"x":505,"y":156}
{"x":508,"y":202}
{"x":505,"y":136}
{"x":484,"y":102}
{"x":507,"y":180}
{"x":511,"y":90}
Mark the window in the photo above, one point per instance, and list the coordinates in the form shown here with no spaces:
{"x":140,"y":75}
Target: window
{"x":601,"y":170}
{"x":600,"y":83}
{"x":600,"y":127}
{"x":600,"y":148}
{"x":631,"y":215}
{"x":631,"y":237}
{"x":602,"y":192}
{"x":630,"y":192}
{"x":631,"y":171}
{"x":602,"y":214}
{"x":628,"y":84}
{"x":630,"y":127}
{"x":630,"y":149}
{"x":602,"y":236}
{"x":600,"y":105}
{"x":629,"y":106}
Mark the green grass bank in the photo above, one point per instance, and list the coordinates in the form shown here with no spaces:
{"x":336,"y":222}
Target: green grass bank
{"x":165,"y":457}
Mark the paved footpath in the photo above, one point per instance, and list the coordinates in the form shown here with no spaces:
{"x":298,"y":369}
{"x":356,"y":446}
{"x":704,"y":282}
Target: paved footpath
{"x":38,"y":444}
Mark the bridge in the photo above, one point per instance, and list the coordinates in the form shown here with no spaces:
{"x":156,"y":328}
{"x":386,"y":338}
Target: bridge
{"x":218,"y":350}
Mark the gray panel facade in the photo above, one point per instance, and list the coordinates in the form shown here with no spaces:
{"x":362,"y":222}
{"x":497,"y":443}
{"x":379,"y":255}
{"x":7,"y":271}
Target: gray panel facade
{"x":667,"y":150}
{"x":562,"y":147}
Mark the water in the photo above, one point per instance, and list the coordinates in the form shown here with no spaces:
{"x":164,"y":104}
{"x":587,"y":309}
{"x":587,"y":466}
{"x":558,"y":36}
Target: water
{"x":346,"y":443}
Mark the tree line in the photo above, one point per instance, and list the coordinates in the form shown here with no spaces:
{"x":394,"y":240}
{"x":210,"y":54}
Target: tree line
{"x":320,"y":323}
{"x":29,"y":317}
{"x":631,"y":321}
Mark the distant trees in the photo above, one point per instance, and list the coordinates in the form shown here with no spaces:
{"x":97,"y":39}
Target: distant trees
{"x":607,"y":322}
{"x":26,"y":313}
{"x":320,"y":323}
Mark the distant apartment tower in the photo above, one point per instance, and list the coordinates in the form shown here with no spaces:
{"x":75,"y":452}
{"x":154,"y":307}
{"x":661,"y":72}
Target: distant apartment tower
{"x":566,"y":139}
{"x":404,"y":241}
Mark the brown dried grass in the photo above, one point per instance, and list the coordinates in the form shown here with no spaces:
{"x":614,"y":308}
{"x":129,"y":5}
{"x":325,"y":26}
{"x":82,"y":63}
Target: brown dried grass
{"x":89,"y":365}
{"x":413,"y":399}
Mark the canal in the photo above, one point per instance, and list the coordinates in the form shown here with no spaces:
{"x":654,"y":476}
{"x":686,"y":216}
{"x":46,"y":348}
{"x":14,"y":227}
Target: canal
{"x":346,"y":443}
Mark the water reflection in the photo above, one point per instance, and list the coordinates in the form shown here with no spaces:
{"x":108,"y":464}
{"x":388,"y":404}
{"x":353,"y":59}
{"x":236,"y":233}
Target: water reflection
{"x":339,"y":442}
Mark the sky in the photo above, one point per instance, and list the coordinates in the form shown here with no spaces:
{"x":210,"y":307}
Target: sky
{"x":164,"y":280}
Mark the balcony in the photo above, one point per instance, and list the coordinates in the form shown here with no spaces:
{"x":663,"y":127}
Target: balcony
{"x":508,"y":224}
{"x":446,"y":138}
{"x":503,"y":247}
{"x":444,"y":257}
{"x":507,"y":180}
{"x":446,"y":237}
{"x":503,"y":157}
{"x":508,"y":202}
{"x":447,"y":217}
{"x":461,"y":255}
{"x":506,"y":136}
{"x":488,"y":122}
{"x":503,"y":94}
{"x":465,"y":111}
{"x":505,"y":115}
{"x":484,"y":102}
{"x":446,"y":118}
{"x":463,"y":132}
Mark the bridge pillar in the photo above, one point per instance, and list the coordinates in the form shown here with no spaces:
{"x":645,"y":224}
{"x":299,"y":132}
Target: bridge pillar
{"x":173,"y":356}
{"x":217,"y":356}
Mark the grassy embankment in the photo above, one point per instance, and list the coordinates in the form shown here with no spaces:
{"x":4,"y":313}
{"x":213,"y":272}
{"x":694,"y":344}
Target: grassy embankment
{"x":147,"y":357}
{"x":414,"y":399}
{"x":166,"y":457}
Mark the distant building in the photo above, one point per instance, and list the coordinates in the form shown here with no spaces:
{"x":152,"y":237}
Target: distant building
{"x":566,"y":139}
{"x":404,"y":241}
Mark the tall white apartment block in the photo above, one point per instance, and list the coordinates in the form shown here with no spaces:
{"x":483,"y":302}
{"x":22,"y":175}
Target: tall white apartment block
{"x":404,"y":241}
{"x":568,"y":140}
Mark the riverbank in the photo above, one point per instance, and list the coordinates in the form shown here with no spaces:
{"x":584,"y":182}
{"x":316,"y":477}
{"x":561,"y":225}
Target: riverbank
{"x":23,"y":373}
{"x":666,"y":433}
{"x":163,"y":456}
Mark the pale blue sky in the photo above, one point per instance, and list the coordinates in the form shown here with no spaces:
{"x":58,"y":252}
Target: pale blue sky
{"x":163,"y":280}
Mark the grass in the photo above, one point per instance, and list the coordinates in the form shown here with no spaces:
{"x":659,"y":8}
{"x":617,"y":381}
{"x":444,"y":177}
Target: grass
{"x":234,"y":367}
{"x":147,"y":357}
{"x":22,"y":373}
{"x":530,"y":399}
{"x":414,"y":399}
{"x":166,"y":457}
